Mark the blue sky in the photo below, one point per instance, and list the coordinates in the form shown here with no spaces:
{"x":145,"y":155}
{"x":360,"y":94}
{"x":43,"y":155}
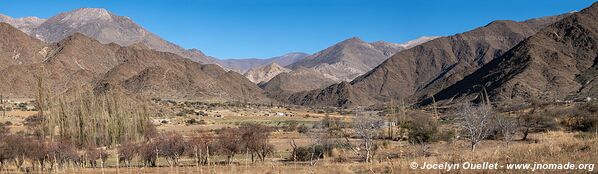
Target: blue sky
{"x":267,"y":28}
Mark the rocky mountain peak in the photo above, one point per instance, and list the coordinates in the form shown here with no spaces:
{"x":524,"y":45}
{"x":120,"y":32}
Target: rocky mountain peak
{"x":352,"y":40}
{"x":418,"y":41}
{"x":25,"y":23}
{"x":273,"y":66}
{"x":105,"y":27}
{"x":86,"y":14}
{"x":265,"y":73}
{"x":295,"y":54}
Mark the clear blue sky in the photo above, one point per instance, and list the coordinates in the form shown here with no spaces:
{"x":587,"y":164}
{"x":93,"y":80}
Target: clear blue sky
{"x":267,"y":28}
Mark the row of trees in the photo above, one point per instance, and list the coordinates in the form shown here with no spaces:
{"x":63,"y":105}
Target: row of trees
{"x":60,"y":153}
{"x":250,"y":139}
{"x":87,"y":119}
{"x":69,"y":128}
{"x":43,"y":152}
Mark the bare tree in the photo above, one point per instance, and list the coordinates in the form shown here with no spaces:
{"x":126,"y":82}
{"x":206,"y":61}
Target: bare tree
{"x":294,"y":152}
{"x":476,"y":122}
{"x":147,"y":153}
{"x":367,"y":127}
{"x":15,"y":148}
{"x":3,"y":105}
{"x":228,"y":143}
{"x":126,"y":152}
{"x":256,"y":140}
{"x":507,"y":127}
{"x":94,"y":154}
{"x":198,"y":146}
{"x":4,"y":153}
{"x":171,"y":146}
{"x":60,"y":152}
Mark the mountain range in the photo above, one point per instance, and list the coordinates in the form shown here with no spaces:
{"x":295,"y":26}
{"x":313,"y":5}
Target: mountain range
{"x":244,"y":65}
{"x":423,"y":70}
{"x":103,"y":26}
{"x":107,"y":27}
{"x":79,"y":60}
{"x":560,"y":62}
{"x":341,"y":62}
{"x":548,"y":58}
{"x":266,"y":73}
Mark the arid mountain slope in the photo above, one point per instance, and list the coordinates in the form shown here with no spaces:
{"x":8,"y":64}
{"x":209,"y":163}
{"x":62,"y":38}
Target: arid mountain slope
{"x":284,"y":84}
{"x":17,"y":48}
{"x":558,"y":62}
{"x":244,"y":65}
{"x":265,"y":73}
{"x":103,"y":26}
{"x":340,"y":94}
{"x":79,"y":60}
{"x":432,"y":66}
{"x":341,"y":62}
{"x":25,"y":24}
{"x":108,"y":27}
{"x":348,"y":59}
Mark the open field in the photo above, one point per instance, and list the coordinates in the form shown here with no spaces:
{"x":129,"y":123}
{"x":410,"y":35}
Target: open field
{"x":265,"y":87}
{"x":550,"y":147}
{"x":391,"y":156}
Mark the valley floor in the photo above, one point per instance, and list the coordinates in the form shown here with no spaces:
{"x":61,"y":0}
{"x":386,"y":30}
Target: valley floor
{"x":550,"y":147}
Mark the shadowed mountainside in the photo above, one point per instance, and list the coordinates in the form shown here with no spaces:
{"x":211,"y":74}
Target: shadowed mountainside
{"x":425,"y":69}
{"x":559,"y":62}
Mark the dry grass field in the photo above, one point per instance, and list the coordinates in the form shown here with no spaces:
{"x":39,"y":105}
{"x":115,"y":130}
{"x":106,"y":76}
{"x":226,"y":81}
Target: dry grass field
{"x":391,"y":156}
{"x":549,"y":147}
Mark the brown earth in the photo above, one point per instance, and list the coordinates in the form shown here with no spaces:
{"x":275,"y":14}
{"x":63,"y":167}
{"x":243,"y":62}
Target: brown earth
{"x":558,"y":62}
{"x":79,"y":60}
{"x":423,"y":70}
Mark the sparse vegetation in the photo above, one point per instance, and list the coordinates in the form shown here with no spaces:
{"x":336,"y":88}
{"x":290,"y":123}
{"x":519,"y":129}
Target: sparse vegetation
{"x":329,"y":139}
{"x":476,"y":122}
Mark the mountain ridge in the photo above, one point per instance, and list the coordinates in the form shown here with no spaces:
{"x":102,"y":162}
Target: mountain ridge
{"x":413,"y":74}
{"x":557,"y":63}
{"x":340,"y":62}
{"x":265,"y":73}
{"x":80,"y":60}
{"x":106,"y":27}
